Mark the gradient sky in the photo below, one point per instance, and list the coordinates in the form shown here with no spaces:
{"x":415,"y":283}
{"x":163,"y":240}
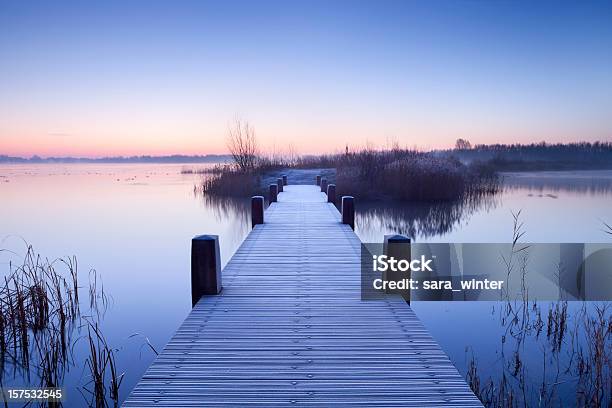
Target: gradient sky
{"x":128,"y":77}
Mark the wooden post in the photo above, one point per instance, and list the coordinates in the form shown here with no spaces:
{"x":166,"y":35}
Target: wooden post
{"x":348,"y":211}
{"x":273,"y":193}
{"x":257,"y":210}
{"x":284,"y":179}
{"x":324,"y":185}
{"x":398,"y":246}
{"x":318,"y":180}
{"x":279,"y":183}
{"x":205,"y":267}
{"x":331,"y":193}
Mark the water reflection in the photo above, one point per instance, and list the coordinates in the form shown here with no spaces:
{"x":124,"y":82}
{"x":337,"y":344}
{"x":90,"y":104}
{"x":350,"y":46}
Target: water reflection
{"x":50,"y":335}
{"x":133,"y":224}
{"x":422,"y":220}
{"x":594,"y":182}
{"x":226,"y":209}
{"x":137,"y":237}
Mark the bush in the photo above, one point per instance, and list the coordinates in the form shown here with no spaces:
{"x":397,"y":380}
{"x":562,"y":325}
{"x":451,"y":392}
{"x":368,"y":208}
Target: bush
{"x":230,"y":181}
{"x":398,"y":174}
{"x":411,"y":176}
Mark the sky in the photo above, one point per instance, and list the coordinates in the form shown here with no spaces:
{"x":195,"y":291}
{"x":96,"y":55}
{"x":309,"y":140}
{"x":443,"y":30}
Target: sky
{"x":122,"y":78}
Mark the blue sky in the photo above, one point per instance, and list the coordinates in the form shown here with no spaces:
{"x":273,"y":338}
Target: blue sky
{"x":131,"y":77}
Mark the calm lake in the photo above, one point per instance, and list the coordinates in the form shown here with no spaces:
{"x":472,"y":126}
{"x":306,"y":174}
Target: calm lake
{"x":133,"y":224}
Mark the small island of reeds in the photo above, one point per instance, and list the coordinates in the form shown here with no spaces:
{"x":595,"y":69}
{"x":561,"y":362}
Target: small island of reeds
{"x":369,"y":173}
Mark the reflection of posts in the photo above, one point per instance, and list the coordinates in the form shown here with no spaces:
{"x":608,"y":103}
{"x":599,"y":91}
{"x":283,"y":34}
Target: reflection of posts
{"x":205,"y":267}
{"x":443,"y":261}
{"x":331,"y":193}
{"x":440,"y":254}
{"x":257,"y":210}
{"x":348,"y":211}
{"x":273,"y":192}
{"x":570,"y":273}
{"x":597,"y":281}
{"x":398,"y":247}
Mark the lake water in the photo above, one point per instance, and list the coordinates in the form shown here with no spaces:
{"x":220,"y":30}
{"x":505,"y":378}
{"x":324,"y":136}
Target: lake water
{"x":133,"y":224}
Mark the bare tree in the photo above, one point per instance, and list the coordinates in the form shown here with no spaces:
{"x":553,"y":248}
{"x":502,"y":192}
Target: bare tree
{"x":463,"y":144}
{"x":242,"y":144}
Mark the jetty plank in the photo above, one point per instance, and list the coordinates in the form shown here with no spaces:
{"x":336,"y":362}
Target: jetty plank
{"x":289,"y":328}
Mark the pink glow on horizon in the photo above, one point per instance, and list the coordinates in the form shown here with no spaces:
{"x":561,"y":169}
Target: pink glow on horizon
{"x":159,"y":139}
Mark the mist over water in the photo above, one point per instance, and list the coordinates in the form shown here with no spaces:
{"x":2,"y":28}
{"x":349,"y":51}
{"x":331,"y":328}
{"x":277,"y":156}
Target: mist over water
{"x":133,"y":224}
{"x":555,"y":207}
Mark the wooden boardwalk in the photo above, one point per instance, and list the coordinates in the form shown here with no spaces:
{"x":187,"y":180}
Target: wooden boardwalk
{"x":289,"y":328}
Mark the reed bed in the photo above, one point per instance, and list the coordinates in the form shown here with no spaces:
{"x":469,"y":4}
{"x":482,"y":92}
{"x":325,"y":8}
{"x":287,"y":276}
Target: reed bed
{"x":231,"y":181}
{"x":40,"y":322}
{"x":575,"y":345}
{"x":406,"y":175}
{"x":216,"y":169}
{"x":104,"y":380}
{"x":398,"y":174}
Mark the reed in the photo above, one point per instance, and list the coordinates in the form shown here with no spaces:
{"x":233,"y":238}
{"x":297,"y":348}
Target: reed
{"x":215,"y":169}
{"x":104,"y":380}
{"x":39,"y":317}
{"x":232,"y":181}
{"x":575,"y":346}
{"x":407,"y":175}
{"x":399,"y":174}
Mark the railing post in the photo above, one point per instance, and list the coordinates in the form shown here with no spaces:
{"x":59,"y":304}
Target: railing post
{"x":348,"y":211}
{"x":279,"y":183}
{"x":398,"y":247}
{"x":319,"y":180}
{"x":205,"y":267}
{"x":324,"y":185}
{"x":273,"y":193}
{"x":331,"y":193}
{"x":284,"y":179}
{"x":257,"y":210}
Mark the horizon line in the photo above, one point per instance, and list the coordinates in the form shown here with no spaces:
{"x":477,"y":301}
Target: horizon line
{"x":227,"y":155}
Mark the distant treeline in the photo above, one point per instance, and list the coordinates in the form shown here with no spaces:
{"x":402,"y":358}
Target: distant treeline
{"x":539,"y":156}
{"x":175,"y":158}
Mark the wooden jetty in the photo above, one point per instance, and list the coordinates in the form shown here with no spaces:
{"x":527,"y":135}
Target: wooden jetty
{"x":289,"y":328}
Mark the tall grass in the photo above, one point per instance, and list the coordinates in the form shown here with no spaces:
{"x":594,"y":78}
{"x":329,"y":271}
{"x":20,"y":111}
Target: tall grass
{"x":230,"y":181}
{"x":576,"y":350}
{"x":38,"y":308}
{"x":399,"y":174}
{"x":575,"y":346}
{"x":104,"y":382}
{"x":407,"y":175}
{"x":40,"y":318}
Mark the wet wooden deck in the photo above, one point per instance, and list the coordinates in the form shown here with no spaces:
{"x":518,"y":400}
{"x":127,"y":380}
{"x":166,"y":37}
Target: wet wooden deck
{"x":289,"y":329}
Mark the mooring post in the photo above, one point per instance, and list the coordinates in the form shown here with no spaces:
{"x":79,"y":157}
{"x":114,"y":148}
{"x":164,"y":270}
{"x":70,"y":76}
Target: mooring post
{"x":398,"y":247}
{"x":318,"y":180}
{"x":257,"y":210}
{"x":205,"y":267}
{"x":279,"y":183}
{"x":348,"y":211}
{"x":331,"y":193}
{"x":324,"y":185}
{"x":284,"y":179}
{"x":273,"y":192}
